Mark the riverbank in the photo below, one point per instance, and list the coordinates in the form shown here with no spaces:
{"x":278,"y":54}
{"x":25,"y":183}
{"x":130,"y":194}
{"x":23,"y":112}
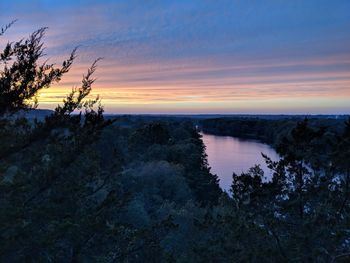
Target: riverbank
{"x":228,"y":155}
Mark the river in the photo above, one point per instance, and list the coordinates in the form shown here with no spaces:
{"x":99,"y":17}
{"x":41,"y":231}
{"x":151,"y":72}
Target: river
{"x":230,"y":154}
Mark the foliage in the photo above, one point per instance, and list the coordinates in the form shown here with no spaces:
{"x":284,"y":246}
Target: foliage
{"x":305,"y":211}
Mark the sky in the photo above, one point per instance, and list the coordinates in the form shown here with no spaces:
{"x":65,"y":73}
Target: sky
{"x":238,"y":56}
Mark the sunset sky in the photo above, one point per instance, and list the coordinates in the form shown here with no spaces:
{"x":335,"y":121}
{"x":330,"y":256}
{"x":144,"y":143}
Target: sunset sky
{"x":263,"y":56}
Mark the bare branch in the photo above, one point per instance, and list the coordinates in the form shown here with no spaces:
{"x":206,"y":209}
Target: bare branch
{"x":6,"y":27}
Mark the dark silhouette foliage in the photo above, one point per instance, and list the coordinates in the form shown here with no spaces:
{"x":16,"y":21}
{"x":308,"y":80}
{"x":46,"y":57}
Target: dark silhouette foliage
{"x":22,"y":76}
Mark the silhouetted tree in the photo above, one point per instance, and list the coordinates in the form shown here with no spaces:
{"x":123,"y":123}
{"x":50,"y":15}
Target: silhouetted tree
{"x":55,"y":197}
{"x":22,"y":76}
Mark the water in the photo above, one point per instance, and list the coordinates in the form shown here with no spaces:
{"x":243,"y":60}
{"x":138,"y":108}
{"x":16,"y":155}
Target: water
{"x":229,"y":154}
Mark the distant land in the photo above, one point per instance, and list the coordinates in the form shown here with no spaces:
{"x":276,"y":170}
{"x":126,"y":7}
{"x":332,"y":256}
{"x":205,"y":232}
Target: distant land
{"x":41,"y":113}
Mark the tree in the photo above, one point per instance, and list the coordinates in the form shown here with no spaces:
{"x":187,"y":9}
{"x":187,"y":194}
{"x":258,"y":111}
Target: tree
{"x":22,"y":77}
{"x":55,"y":197}
{"x":300,"y":207}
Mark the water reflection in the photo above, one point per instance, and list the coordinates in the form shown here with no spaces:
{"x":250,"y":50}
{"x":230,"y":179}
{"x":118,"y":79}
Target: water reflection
{"x":229,"y":154}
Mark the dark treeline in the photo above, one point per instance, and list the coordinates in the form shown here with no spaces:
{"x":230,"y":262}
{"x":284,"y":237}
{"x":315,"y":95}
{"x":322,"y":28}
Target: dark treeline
{"x":76,"y":186}
{"x":275,"y":131}
{"x":267,"y":130}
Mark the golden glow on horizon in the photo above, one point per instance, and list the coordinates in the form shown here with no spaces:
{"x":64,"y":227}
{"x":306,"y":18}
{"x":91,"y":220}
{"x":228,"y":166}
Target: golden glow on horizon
{"x":177,"y":88}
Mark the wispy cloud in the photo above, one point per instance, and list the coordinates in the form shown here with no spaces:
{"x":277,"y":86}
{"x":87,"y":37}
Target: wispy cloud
{"x":201,"y":56}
